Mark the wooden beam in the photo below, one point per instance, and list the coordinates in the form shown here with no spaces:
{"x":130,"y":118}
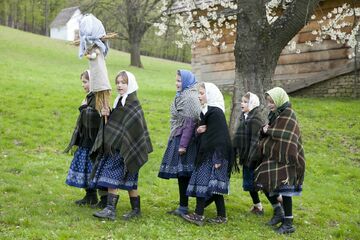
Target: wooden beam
{"x":310,"y":67}
{"x":301,"y":81}
{"x":306,"y":57}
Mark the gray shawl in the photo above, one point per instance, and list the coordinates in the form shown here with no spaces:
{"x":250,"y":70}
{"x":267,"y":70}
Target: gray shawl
{"x":185,"y":105}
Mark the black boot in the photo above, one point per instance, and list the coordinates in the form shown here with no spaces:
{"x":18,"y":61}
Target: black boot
{"x":110,"y":211}
{"x":89,"y":199}
{"x":102,"y":203}
{"x":135,"y":206}
{"x":277,"y":217}
{"x":286,"y":226}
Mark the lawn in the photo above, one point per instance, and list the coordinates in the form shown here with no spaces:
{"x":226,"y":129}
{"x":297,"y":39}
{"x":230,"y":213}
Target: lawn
{"x":40,"y":94}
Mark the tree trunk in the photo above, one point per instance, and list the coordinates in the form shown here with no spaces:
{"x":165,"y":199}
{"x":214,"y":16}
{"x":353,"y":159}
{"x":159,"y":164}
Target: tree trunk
{"x":46,"y":16}
{"x":259,"y":45}
{"x":33,"y":16}
{"x":255,"y":60}
{"x":135,"y":54}
{"x":25,"y":24}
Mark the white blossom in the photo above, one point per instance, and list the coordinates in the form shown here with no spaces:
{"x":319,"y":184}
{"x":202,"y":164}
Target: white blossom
{"x":203,"y":20}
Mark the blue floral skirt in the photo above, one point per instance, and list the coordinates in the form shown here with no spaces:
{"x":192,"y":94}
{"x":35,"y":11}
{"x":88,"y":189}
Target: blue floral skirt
{"x":206,"y":180}
{"x":248,"y":179}
{"x":173,"y":165}
{"x":80,"y":169}
{"x":111,"y":173}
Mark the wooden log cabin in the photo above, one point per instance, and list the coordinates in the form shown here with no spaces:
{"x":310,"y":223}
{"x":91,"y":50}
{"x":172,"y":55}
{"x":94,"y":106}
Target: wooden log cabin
{"x":321,"y":70}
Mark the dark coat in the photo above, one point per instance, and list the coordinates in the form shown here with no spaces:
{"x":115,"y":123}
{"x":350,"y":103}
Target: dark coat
{"x":247,"y":137}
{"x":87,"y":125}
{"x":216,"y":138}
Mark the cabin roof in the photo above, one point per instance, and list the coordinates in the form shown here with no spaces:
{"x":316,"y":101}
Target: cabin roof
{"x":63,"y":17}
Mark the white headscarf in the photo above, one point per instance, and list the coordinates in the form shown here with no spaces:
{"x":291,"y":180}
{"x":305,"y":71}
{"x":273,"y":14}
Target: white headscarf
{"x":253,"y":101}
{"x":214,"y":97}
{"x":132,"y":87}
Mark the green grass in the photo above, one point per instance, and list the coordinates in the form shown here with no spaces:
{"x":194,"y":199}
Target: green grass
{"x":40,"y":93}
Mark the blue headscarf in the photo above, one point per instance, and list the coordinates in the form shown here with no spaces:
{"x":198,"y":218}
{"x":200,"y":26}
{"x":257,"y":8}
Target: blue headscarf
{"x":187,"y":80}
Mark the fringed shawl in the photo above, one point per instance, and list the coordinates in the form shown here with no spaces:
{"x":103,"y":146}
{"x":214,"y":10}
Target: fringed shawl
{"x":87,"y":125}
{"x":126,"y":131}
{"x":246,"y":138}
{"x":282,"y":153}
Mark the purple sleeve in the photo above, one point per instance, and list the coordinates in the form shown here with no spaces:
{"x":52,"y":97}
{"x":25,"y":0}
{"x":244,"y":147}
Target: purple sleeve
{"x":187,"y":132}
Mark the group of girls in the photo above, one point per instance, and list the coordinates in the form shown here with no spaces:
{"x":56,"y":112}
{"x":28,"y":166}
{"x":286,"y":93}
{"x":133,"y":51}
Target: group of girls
{"x":200,"y":153}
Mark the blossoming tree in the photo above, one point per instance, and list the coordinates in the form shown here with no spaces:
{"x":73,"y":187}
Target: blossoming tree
{"x":263,"y":28}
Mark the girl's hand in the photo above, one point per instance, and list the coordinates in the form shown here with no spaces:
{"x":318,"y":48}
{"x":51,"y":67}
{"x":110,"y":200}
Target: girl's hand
{"x":105,"y":111}
{"x":217,"y":165}
{"x":265,"y":128}
{"x":182,"y":151}
{"x":201,"y":129}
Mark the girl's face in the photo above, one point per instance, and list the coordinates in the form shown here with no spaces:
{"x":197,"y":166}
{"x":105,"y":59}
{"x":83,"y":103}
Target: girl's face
{"x":245,"y":105}
{"x":178,"y":83}
{"x":121,"y":85}
{"x":85,"y":84}
{"x":270,"y":104}
{"x":202,"y":96}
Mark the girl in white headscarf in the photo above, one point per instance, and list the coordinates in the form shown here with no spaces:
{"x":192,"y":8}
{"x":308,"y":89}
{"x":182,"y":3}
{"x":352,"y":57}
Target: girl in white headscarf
{"x":245,"y":142}
{"x":210,"y":179}
{"x":122,"y":146}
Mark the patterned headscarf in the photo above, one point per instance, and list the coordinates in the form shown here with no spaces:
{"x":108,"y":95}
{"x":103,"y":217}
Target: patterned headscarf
{"x":187,"y":80}
{"x":132,"y":87}
{"x":214,"y":97}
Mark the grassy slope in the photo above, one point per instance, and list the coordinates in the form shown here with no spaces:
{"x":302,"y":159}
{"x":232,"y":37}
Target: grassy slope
{"x":40,"y":93}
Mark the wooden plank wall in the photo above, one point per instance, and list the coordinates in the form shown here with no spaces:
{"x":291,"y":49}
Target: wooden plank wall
{"x":218,"y":65}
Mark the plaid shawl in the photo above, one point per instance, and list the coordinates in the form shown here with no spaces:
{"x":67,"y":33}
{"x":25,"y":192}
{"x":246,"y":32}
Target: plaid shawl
{"x":283,"y":154}
{"x":246,"y":138}
{"x":126,"y":131}
{"x":87,"y":125}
